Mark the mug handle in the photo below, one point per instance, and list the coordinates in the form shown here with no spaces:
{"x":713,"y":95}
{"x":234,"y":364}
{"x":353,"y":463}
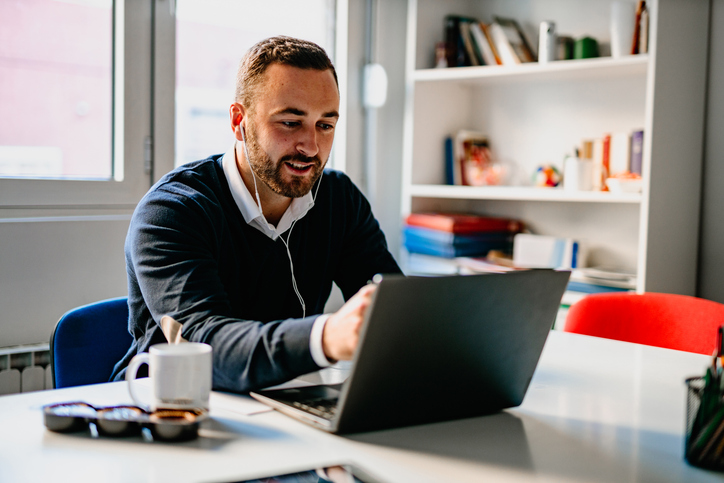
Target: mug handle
{"x":131,"y":374}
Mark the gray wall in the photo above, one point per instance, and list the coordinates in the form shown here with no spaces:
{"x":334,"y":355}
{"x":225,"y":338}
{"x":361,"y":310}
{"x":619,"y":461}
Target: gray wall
{"x":711,"y":252}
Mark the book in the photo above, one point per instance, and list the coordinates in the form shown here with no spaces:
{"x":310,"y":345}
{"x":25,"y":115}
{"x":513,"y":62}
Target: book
{"x":637,"y":27}
{"x":620,"y":153}
{"x":644,"y":31}
{"x":541,"y":251}
{"x":460,"y":51}
{"x":472,"y":58}
{"x":601,"y":162}
{"x":637,"y":151}
{"x":606,"y":277}
{"x":521,"y":44}
{"x":422,"y":264}
{"x":598,"y":175}
{"x":491,"y":43}
{"x":455,"y":55}
{"x":587,"y":287}
{"x":448,"y":251}
{"x":423,"y":234}
{"x":481,"y":40}
{"x":503,"y":45}
{"x":451,"y":176}
{"x":463,"y":223}
{"x":482,"y":265}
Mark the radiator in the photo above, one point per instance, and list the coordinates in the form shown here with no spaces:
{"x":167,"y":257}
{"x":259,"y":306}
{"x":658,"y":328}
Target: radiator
{"x":25,"y":368}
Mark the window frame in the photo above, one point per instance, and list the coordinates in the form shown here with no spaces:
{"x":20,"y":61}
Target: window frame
{"x":132,"y":118}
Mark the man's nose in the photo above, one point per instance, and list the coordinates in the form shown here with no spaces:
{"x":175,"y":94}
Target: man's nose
{"x":307,"y":142}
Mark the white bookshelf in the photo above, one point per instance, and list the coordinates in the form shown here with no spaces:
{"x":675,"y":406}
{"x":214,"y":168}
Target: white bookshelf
{"x":535,"y":114}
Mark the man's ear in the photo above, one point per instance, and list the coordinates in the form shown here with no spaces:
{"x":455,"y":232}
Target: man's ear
{"x":236,"y":117}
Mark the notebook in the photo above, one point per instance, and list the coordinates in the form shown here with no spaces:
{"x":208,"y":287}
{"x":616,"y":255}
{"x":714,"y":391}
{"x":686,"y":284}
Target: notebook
{"x":435,"y":349}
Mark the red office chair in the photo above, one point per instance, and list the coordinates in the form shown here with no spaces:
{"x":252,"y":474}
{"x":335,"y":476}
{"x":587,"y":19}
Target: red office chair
{"x":663,"y":320}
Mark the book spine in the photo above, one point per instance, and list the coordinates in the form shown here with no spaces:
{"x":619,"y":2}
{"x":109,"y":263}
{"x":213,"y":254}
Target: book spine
{"x":644,"y":31}
{"x":637,"y":150}
{"x":584,"y":287}
{"x":606,"y":162}
{"x":482,"y":42}
{"x":452,"y":34}
{"x":598,"y":164}
{"x":637,"y":28}
{"x":470,"y":57}
{"x":620,"y":153}
{"x":491,"y":43}
{"x":467,"y":226}
{"x":503,"y":45}
{"x":449,"y":162}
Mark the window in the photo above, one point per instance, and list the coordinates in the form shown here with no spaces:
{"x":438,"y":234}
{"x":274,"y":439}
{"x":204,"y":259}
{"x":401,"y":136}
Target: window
{"x":55,"y":88}
{"x":66,"y":135}
{"x":87,"y":117}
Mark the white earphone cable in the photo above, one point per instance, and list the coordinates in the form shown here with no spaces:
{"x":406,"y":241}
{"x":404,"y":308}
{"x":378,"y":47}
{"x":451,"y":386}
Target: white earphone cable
{"x":289,"y":235}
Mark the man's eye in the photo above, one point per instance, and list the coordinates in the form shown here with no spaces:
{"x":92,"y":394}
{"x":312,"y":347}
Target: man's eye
{"x":326,"y":127}
{"x":290,"y":123}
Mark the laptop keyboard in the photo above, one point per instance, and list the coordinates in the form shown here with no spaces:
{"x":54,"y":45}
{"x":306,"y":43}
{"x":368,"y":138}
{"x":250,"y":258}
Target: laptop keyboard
{"x":323,"y":408}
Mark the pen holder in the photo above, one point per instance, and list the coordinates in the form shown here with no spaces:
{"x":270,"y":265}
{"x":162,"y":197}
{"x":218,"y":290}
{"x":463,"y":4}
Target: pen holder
{"x":704,"y":444}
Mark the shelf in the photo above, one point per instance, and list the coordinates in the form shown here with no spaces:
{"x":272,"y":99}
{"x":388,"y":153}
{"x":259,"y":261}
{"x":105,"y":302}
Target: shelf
{"x":515,"y":193}
{"x":628,"y":66}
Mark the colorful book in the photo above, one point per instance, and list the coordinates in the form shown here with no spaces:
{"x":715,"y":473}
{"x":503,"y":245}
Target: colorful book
{"x":463,"y":223}
{"x":449,"y":251}
{"x":587,"y":287}
{"x":489,"y":240}
{"x":450,"y":176}
{"x":540,"y":251}
{"x":637,"y":151}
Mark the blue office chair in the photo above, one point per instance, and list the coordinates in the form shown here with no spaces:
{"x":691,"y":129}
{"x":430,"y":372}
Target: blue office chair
{"x":88,"y":341}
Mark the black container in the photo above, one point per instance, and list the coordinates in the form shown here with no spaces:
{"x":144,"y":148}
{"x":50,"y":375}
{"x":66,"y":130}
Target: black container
{"x":123,"y":421}
{"x":704,"y":444}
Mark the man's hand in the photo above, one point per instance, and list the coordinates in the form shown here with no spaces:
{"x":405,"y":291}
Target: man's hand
{"x":341,"y":332}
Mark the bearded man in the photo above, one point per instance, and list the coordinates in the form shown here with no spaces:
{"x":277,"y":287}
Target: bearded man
{"x":240,"y":250}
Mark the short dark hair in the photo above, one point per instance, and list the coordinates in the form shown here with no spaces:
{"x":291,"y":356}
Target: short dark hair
{"x":281,"y":50}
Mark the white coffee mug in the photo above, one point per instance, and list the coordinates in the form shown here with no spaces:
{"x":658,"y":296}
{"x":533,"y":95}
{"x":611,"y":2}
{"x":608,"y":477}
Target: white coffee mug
{"x":180,"y":376}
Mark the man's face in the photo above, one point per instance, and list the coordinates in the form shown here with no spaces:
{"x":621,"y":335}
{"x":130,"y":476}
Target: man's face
{"x":290,"y":130}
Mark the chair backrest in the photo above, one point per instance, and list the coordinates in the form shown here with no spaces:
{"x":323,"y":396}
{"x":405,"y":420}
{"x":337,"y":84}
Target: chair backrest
{"x":88,"y":341}
{"x":672,"y":321}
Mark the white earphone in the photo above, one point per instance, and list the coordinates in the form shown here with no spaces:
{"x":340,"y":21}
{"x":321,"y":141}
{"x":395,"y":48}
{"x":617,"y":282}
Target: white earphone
{"x":286,"y":242}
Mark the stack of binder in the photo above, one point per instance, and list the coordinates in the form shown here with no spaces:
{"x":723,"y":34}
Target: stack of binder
{"x":458,"y":235}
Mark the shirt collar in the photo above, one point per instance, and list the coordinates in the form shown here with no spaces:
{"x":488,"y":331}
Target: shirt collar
{"x":248,"y":207}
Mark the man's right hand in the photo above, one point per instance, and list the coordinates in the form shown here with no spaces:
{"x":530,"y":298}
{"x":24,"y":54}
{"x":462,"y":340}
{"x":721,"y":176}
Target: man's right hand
{"x":341,"y":331}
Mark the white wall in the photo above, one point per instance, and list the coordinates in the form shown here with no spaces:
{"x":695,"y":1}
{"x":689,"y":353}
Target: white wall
{"x":48,"y":267}
{"x":51,"y":262}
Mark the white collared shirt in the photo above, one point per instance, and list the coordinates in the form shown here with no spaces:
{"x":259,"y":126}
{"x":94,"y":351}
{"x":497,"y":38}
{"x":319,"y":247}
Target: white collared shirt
{"x":255,"y":218}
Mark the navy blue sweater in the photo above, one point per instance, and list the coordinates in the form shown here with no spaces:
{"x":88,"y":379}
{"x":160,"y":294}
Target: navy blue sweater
{"x":191,"y":255}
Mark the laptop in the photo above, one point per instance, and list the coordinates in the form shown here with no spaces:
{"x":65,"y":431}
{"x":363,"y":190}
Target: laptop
{"x":435,"y":349}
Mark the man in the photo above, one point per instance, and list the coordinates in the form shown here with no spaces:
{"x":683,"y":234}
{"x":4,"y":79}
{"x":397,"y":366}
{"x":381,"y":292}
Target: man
{"x":240,"y":250}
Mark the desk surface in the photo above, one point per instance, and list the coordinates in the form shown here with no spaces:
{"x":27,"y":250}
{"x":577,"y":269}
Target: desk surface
{"x":597,"y":410}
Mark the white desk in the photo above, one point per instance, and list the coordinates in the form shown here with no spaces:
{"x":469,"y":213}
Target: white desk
{"x":597,"y":410}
